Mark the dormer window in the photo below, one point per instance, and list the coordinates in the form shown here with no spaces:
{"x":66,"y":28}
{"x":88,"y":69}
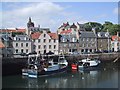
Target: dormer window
{"x":44,"y":35}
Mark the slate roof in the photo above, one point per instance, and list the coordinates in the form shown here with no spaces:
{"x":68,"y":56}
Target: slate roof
{"x":73,"y":26}
{"x":87,"y":35}
{"x":22,"y":37}
{"x":102,"y":34}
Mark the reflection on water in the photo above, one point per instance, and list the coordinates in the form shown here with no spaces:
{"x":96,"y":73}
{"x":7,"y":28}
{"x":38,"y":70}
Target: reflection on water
{"x":107,"y":78}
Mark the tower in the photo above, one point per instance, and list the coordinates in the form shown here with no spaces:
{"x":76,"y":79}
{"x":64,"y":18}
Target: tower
{"x":30,"y":24}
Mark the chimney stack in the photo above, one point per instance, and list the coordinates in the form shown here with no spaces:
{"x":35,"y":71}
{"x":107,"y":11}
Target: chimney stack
{"x":117,"y":34}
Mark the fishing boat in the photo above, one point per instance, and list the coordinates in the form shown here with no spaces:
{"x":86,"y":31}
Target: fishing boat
{"x":42,"y":67}
{"x":87,"y":64}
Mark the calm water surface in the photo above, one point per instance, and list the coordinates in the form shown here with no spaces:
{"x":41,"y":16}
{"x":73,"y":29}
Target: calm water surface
{"x":102,"y":78}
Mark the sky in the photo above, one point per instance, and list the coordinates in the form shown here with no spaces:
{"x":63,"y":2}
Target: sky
{"x":53,"y":14}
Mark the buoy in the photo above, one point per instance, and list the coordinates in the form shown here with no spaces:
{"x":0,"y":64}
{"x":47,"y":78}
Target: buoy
{"x":74,"y":67}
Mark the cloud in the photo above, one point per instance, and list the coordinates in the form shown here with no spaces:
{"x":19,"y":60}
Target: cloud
{"x":41,"y":13}
{"x":115,"y":11}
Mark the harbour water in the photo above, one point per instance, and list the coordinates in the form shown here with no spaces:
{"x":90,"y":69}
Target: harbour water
{"x":104,"y":77}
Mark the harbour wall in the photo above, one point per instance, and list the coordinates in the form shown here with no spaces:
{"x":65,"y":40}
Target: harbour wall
{"x":12,"y":66}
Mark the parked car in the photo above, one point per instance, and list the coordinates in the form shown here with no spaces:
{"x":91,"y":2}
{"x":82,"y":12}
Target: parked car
{"x":98,"y":52}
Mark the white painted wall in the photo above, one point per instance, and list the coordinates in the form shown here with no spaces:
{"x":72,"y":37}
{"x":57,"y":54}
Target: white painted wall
{"x":47,"y":43}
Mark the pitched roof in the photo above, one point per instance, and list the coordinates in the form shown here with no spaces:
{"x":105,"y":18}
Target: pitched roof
{"x":102,"y":34}
{"x":87,"y":35}
{"x":66,"y":31}
{"x":73,"y":26}
{"x":115,"y":37}
{"x":1,"y":45}
{"x":13,"y":30}
{"x":35,"y":35}
{"x":53,"y":35}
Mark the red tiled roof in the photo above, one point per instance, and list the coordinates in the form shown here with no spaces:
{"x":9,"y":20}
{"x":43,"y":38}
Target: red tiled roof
{"x":2,"y":45}
{"x":53,"y":35}
{"x":35,"y":35}
{"x":13,"y":30}
{"x":66,"y":31}
{"x":115,"y":37}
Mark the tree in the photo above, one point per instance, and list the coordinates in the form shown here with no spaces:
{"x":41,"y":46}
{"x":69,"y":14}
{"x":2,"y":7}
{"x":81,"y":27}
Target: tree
{"x":87,"y":27}
{"x":90,"y":25}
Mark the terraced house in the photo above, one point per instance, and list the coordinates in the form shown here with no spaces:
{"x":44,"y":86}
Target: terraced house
{"x":115,"y":42}
{"x":22,"y":44}
{"x":87,"y":42}
{"x":45,"y":42}
{"x":103,"y":41}
{"x":69,"y":37}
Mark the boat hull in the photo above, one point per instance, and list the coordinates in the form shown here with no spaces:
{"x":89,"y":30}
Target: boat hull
{"x":88,"y":67}
{"x":36,"y":73}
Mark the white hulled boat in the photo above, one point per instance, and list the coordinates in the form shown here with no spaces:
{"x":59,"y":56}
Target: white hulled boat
{"x":88,"y":63}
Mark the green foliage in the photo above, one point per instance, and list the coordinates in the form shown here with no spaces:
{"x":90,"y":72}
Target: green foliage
{"x":87,"y":27}
{"x":112,"y":28}
{"x":16,"y":33}
{"x":95,"y":25}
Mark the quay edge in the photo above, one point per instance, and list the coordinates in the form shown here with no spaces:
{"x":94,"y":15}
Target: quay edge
{"x":13,"y":66}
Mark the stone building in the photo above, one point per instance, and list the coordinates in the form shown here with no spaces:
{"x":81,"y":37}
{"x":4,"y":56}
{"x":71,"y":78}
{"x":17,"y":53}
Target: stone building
{"x":103,"y":41}
{"x":7,"y":50}
{"x":87,"y":42}
{"x":45,"y":42}
{"x":68,"y":42}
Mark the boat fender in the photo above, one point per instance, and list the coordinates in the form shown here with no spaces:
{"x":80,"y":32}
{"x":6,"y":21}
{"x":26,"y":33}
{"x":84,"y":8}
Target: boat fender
{"x":45,"y":69}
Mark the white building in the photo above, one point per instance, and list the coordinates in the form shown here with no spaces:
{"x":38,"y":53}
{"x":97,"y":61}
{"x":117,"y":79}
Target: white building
{"x":22,"y":44}
{"x":45,"y":42}
{"x":115,"y":43}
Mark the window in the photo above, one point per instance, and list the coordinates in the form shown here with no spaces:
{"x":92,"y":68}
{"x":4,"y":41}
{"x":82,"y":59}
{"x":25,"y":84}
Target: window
{"x":82,"y":50}
{"x":39,"y":52}
{"x":49,"y":40}
{"x":33,"y":40}
{"x":21,"y":50}
{"x":83,"y":39}
{"x":54,"y":40}
{"x":54,"y":46}
{"x":44,"y":35}
{"x":34,"y":46}
{"x":21,"y":44}
{"x":16,"y":44}
{"x":91,"y":39}
{"x":83,"y":45}
{"x":26,"y":50}
{"x":16,"y":50}
{"x":49,"y":46}
{"x":44,"y":40}
{"x":39,"y":46}
{"x":44,"y":46}
{"x":38,"y":40}
{"x":26,"y":44}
